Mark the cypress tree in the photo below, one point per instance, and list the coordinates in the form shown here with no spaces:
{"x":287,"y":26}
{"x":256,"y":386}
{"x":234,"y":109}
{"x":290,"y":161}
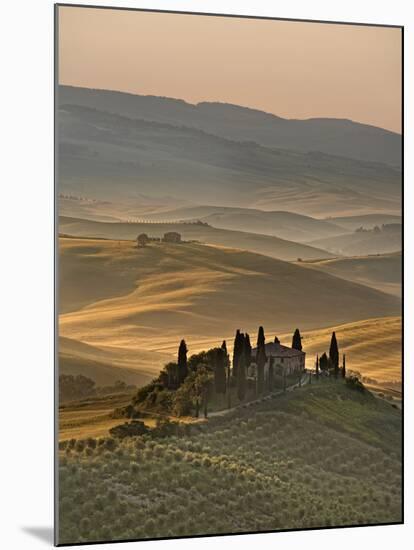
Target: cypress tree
{"x":227,"y":366}
{"x":237,"y":350}
{"x":226,"y":359}
{"x":261,"y":340}
{"x":182,"y":362}
{"x":247,"y":350}
{"x":260,"y":360}
{"x":334,"y":354}
{"x":323,"y":362}
{"x":241,"y":377}
{"x":343,"y":366}
{"x":297,"y":340}
{"x":317,"y":368}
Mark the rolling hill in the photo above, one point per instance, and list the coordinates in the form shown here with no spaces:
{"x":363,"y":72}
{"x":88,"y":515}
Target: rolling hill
{"x":331,"y":136}
{"x":367,"y":221}
{"x":105,"y":365}
{"x":383,"y":271}
{"x":197,"y":292}
{"x":372,"y":347}
{"x":360,"y":243}
{"x":286,"y":225}
{"x":111,"y":157}
{"x":321,"y":456}
{"x":262,"y":244}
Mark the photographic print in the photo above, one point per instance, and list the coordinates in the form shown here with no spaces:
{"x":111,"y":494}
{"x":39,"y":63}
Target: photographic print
{"x":228,"y":274}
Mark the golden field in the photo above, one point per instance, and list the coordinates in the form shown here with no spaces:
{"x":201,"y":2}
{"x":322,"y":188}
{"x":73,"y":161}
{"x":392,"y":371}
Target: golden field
{"x":372,"y":346}
{"x":124,"y":310}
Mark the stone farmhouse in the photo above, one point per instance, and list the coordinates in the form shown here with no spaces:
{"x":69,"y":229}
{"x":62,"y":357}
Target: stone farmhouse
{"x":171,"y":237}
{"x":285,"y":360}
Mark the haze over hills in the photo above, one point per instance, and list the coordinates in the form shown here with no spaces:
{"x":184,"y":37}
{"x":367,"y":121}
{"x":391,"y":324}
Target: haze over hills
{"x":367,"y":221}
{"x":110,"y":157}
{"x":359,"y":243}
{"x":197,"y":292}
{"x":383,"y":272}
{"x":285,"y":225}
{"x":286,"y":190}
{"x":263,"y":244}
{"x":331,"y":136}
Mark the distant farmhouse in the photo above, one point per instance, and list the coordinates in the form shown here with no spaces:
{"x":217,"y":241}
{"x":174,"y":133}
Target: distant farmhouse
{"x":171,"y":237}
{"x":284,"y":360}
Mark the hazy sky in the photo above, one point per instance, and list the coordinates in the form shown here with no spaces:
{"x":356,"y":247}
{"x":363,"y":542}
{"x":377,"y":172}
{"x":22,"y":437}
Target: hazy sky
{"x":292,"y":69}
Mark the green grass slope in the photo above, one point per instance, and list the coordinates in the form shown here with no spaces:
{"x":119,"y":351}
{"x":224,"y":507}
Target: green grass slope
{"x":323,"y":455}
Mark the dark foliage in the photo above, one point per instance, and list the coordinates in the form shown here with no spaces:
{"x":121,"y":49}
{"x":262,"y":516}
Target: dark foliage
{"x":297,"y":340}
{"x":260,"y":360}
{"x":237,"y":351}
{"x":129,"y":429}
{"x":324,"y":363}
{"x":334,"y":354}
{"x":220,"y":364}
{"x":182,"y":362}
{"x":241,"y":378}
{"x":75,"y":387}
{"x":354,"y":383}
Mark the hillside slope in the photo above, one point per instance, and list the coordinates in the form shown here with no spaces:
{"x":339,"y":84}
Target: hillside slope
{"x":365,"y":242}
{"x":368,"y":221}
{"x":382,"y":271}
{"x":253,"y":242}
{"x":373,"y":347}
{"x":106,"y":365}
{"x":197,"y":292}
{"x":321,"y":456}
{"x":286,"y":225}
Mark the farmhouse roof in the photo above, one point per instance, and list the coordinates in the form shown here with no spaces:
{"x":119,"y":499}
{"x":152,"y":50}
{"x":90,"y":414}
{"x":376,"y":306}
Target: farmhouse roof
{"x":277,"y":350}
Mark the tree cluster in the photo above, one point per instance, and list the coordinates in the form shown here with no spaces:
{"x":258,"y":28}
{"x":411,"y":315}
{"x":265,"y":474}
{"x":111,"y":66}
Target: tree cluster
{"x":329,"y":363}
{"x":186,"y":386}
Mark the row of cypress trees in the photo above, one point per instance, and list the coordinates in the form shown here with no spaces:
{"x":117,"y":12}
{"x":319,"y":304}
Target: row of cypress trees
{"x":331,"y":362}
{"x":224,"y":376}
{"x":242,"y":358}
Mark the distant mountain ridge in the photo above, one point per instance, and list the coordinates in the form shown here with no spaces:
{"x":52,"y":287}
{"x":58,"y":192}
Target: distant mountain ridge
{"x":106,"y":156}
{"x":327,"y":135}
